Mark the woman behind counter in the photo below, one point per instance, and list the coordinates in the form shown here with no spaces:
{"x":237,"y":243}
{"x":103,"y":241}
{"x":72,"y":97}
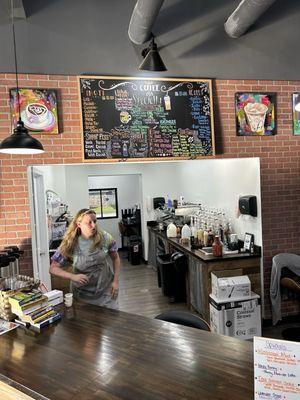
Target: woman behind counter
{"x":87,"y":248}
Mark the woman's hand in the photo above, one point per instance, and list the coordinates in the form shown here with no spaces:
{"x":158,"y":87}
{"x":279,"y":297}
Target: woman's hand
{"x":80,"y":278}
{"x":114,"y":290}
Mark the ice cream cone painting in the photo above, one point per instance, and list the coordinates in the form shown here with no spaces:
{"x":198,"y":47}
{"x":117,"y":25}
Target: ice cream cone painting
{"x":38,"y":109}
{"x":255,"y":114}
{"x":296,"y":113}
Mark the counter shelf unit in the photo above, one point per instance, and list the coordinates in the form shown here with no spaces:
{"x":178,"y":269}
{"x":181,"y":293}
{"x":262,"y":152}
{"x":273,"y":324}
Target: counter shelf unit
{"x":201,"y":265}
{"x":130,"y":226}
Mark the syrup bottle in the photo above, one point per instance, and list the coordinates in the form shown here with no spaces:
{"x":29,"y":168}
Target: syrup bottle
{"x":217,"y":247}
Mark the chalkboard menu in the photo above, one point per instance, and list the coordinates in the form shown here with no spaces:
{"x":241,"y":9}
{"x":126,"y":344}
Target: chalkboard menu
{"x":134,"y":118}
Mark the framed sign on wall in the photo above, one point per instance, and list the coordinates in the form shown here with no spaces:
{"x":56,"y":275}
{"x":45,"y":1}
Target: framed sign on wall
{"x":255,"y":114}
{"x":139,"y":118}
{"x":104,"y":202}
{"x":296,"y":113}
{"x":38,"y":108}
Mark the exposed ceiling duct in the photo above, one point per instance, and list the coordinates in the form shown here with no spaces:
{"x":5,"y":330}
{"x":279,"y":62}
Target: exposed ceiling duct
{"x":247,"y":12}
{"x":142,"y":20}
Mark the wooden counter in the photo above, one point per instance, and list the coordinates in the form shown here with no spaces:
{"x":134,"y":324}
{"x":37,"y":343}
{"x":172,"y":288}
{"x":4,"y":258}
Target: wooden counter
{"x":97,"y":353}
{"x":201,"y":265}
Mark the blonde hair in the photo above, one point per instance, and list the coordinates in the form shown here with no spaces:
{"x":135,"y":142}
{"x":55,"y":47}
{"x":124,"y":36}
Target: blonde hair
{"x":73,"y":232}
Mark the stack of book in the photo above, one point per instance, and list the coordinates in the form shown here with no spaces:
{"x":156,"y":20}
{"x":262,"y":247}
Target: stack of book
{"x":33,"y":309}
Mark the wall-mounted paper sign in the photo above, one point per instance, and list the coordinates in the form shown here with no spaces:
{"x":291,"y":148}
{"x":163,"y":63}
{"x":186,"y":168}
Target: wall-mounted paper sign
{"x":276,"y":369}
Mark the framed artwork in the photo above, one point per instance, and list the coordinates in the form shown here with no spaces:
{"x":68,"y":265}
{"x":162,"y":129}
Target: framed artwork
{"x":135,"y":118}
{"x":38,"y":109}
{"x":104,"y":202}
{"x":255,"y":114}
{"x":248,"y":240}
{"x":296,"y":113}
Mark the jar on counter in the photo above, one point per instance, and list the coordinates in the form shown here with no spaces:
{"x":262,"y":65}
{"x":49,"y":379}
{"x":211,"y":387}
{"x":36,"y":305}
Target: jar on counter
{"x":185,"y":231}
{"x":217,"y":247}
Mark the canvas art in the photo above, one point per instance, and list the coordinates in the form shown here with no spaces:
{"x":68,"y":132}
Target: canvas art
{"x":255,"y":114}
{"x":296,"y":113}
{"x":38,"y":108}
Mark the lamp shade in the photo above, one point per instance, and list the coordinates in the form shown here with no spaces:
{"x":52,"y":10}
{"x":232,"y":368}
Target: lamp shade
{"x":152,"y":60}
{"x":20,"y":142}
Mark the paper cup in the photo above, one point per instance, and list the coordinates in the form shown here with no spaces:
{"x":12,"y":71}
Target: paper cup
{"x":68,"y":299}
{"x":256,"y":115}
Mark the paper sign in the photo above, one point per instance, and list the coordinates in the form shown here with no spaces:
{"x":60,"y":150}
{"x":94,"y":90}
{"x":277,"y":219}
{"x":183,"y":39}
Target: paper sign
{"x":276,"y":369}
{"x":6,"y":326}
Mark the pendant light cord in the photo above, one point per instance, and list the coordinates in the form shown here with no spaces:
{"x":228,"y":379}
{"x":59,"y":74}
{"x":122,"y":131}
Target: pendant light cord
{"x":15,"y":55}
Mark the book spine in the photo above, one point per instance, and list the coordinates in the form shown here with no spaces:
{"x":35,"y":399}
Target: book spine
{"x":33,"y":302}
{"x":40,"y":311}
{"x":32,"y":309}
{"x":30,"y":298}
{"x":20,"y":322}
{"x":48,"y":321}
{"x":43,"y":317}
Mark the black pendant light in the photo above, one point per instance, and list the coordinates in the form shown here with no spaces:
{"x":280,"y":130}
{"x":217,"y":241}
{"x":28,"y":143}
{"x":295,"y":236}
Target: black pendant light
{"x":152,"y":60}
{"x":20,"y":142}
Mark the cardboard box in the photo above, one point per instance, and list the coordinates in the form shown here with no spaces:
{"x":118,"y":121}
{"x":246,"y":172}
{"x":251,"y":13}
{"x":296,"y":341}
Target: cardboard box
{"x":240,"y":319}
{"x":229,"y":285}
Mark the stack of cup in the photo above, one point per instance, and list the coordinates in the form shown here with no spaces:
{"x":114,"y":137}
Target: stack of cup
{"x":68,"y":299}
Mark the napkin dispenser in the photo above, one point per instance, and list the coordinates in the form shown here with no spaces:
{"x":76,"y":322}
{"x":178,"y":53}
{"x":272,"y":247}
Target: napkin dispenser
{"x":158,"y":202}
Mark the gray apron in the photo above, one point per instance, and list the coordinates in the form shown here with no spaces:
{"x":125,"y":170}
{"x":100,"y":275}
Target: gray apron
{"x":96,"y":266}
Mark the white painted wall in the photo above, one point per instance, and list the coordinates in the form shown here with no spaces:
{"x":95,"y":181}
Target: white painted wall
{"x":219,"y":183}
{"x":216,"y":182}
{"x":55,"y":179}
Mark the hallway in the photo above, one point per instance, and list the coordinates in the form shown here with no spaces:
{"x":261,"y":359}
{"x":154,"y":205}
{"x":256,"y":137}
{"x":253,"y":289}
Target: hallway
{"x":139,"y":293}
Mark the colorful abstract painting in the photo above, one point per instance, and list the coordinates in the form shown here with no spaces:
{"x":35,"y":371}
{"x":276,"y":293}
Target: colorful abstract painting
{"x":255,"y":114}
{"x":296,"y":113}
{"x":38,"y":108}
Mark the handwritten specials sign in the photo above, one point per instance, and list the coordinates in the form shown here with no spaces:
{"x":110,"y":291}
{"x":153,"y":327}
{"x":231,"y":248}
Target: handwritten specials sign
{"x":276,"y":369}
{"x":134,"y":118}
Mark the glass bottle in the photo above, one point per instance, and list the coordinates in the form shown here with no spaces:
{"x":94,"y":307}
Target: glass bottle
{"x":200,"y":232}
{"x":205,"y":237}
{"x":210,"y":238}
{"x":169,"y":202}
{"x":217,"y":247}
{"x":193,"y":227}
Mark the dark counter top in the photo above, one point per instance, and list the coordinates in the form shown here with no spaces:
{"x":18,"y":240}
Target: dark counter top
{"x":23,"y":389}
{"x":199,"y":254}
{"x":98,"y":353}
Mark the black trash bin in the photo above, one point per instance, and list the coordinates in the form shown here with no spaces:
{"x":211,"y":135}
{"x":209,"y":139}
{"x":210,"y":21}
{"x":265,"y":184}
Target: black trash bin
{"x":165,"y":272}
{"x":171,"y":273}
{"x":180,"y":266}
{"x":135,"y":250}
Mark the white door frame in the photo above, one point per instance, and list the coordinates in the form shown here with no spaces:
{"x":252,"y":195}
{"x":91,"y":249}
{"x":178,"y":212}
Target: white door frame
{"x":38,"y":220}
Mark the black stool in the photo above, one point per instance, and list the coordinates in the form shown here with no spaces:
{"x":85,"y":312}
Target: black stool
{"x":185,"y":318}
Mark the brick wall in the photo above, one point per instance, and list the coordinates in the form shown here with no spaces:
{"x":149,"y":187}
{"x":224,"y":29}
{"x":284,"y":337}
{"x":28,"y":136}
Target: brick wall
{"x":279,"y":155}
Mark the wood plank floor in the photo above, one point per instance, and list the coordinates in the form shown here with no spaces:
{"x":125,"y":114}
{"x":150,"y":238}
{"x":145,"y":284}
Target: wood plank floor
{"x":139,"y":293}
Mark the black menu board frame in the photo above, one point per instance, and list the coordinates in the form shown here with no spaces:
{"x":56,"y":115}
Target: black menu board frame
{"x":142,"y":119}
